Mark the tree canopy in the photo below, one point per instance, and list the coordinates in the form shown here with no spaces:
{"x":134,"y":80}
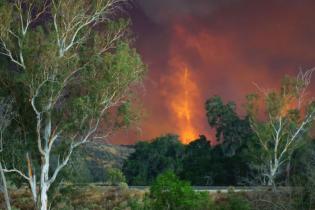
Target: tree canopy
{"x":69,"y":66}
{"x":152,"y":158}
{"x":199,"y":162}
{"x":281,"y":120}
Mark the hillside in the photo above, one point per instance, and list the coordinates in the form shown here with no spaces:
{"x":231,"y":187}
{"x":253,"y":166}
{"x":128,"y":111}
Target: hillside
{"x":91,"y":162}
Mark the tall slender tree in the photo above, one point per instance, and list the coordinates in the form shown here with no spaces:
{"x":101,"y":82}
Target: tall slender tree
{"x":74,"y":64}
{"x":281,"y":120}
{"x":7,"y":114}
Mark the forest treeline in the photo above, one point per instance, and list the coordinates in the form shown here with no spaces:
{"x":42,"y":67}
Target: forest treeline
{"x":235,"y":159}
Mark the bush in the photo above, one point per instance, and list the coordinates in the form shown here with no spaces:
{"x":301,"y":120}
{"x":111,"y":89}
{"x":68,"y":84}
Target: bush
{"x":234,"y":202}
{"x":140,"y":204}
{"x":168,"y":192}
{"x":115,"y":176}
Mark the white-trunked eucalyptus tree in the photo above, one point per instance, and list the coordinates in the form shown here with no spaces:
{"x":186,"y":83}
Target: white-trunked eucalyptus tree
{"x":75,"y":64}
{"x":281,"y":119}
{"x":7,"y":114}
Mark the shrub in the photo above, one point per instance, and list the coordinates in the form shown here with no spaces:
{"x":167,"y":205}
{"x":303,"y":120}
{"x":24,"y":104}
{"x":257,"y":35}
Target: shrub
{"x":170,"y":193}
{"x":233,"y":201}
{"x":140,"y":204}
{"x":115,"y":176}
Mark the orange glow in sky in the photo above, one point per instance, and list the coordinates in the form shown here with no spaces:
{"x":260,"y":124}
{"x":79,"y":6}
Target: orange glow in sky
{"x":183,"y":105}
{"x":194,"y":53}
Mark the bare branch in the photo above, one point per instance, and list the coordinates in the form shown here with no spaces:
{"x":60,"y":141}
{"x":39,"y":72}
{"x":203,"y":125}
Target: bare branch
{"x":14,"y":170}
{"x":68,"y":30}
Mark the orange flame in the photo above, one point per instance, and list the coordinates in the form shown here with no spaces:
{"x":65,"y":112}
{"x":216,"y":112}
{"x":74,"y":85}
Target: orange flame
{"x":182,"y":105}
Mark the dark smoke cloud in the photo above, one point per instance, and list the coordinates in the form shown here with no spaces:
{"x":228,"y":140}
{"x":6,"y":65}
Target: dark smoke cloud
{"x":226,"y":46}
{"x":162,"y":11}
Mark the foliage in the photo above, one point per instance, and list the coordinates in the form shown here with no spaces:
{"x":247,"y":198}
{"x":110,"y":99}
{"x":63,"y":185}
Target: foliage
{"x":281,"y":120}
{"x":302,"y":174}
{"x":140,"y":204}
{"x":170,"y":193}
{"x":90,"y":163}
{"x":76,"y":172}
{"x":234,"y":136}
{"x":235,"y":160}
{"x":151,"y":159}
{"x":233,"y":201}
{"x":197,"y":162}
{"x":115,"y":176}
{"x":67,"y":78}
{"x":206,"y":165}
{"x":232,"y":132}
{"x":225,"y":163}
{"x":18,"y":135}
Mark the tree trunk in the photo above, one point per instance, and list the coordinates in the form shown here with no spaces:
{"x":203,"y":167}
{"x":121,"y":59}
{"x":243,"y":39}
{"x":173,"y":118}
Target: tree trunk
{"x":272,"y":174}
{"x":288,"y":171}
{"x":5,"y":189}
{"x":44,"y":184}
{"x":33,"y":186}
{"x":43,"y":197}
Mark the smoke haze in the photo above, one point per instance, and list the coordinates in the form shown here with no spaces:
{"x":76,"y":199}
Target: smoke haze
{"x":225,"y":45}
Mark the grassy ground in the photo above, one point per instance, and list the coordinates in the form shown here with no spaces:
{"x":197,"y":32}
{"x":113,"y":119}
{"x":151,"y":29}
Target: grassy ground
{"x":121,"y":198}
{"x":80,"y":198}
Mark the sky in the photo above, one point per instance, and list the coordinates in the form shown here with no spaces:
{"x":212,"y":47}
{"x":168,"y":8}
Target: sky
{"x":195,"y":49}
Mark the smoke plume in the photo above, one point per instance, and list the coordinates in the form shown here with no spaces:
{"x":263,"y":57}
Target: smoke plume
{"x":225,"y":47}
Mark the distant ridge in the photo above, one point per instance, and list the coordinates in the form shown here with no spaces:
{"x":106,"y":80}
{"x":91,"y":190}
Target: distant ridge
{"x":97,"y":158}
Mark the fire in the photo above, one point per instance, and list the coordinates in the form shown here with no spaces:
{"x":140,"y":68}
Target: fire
{"x":183,"y":105}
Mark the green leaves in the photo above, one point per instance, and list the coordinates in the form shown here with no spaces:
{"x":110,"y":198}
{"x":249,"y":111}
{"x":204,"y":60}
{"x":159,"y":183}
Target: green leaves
{"x":281,"y":120}
{"x":126,"y":115}
{"x":231,"y":130}
{"x":168,"y":192}
{"x":124,"y":64}
{"x":6,"y":19}
{"x":68,"y":75}
{"x":151,"y":159}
